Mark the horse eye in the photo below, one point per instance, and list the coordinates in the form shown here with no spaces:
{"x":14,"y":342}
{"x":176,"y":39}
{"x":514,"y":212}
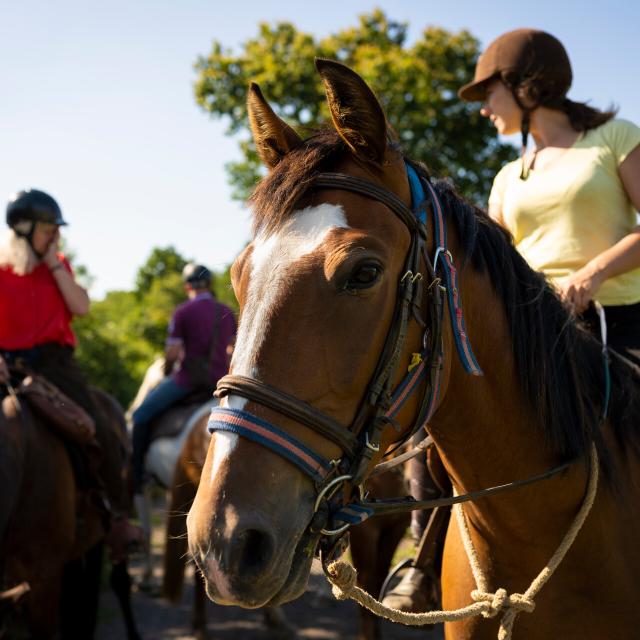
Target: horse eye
{"x":364,"y":276}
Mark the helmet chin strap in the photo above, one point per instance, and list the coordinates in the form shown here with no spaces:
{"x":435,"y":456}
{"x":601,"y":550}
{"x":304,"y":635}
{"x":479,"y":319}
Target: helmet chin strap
{"x":27,"y":234}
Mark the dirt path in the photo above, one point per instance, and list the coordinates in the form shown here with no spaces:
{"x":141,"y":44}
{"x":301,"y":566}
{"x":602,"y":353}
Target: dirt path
{"x":317,"y":615}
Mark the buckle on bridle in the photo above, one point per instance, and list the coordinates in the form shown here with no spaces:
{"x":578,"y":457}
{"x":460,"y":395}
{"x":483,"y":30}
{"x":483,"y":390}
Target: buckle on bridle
{"x":372,"y":446}
{"x":412,"y":277}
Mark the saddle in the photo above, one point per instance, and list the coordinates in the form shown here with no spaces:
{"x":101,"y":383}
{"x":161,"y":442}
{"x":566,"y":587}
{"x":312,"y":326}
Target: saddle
{"x":198,"y":396}
{"x":170,"y":423}
{"x":68,"y":419}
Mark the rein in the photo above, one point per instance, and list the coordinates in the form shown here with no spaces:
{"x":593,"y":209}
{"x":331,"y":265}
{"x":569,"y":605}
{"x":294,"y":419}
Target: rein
{"x":486,"y":603}
{"x":380,"y":404}
{"x":358,"y":512}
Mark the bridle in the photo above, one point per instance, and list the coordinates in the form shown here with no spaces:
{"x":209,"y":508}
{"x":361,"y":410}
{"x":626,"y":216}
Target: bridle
{"x":381,"y":403}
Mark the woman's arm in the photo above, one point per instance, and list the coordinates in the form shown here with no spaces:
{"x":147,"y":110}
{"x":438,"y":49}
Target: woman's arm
{"x":75,"y":296}
{"x":581,"y":287}
{"x":173,"y":352}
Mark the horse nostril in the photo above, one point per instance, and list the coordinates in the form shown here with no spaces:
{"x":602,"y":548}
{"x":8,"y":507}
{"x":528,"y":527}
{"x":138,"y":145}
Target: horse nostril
{"x":251,"y":552}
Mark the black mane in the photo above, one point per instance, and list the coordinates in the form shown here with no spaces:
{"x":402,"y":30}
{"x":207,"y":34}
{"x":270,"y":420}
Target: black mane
{"x":559,"y":364}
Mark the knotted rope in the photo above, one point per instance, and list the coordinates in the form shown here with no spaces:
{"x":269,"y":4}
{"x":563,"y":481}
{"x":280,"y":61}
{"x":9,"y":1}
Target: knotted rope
{"x":343,"y":576}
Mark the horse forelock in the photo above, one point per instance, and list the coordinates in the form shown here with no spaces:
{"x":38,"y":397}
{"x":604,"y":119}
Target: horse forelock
{"x":278,"y":194}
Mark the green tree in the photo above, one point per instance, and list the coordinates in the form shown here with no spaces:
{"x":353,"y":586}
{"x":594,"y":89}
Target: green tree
{"x":127,"y":330}
{"x":111,"y":350}
{"x":417,"y":85}
{"x":162,"y":262}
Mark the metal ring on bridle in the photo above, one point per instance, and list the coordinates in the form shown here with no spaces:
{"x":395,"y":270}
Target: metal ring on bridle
{"x":329,"y":490}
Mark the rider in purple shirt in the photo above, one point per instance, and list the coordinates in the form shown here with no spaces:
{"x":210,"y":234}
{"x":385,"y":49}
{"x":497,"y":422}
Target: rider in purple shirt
{"x":190,"y":331}
{"x":201,"y":335}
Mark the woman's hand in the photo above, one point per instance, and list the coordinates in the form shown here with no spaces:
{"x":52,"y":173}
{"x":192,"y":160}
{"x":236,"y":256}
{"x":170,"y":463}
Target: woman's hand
{"x":4,"y":371}
{"x":50,"y":257}
{"x":578,"y":290}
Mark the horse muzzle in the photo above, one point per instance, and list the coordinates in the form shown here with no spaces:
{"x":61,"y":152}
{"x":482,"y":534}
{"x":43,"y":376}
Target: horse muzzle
{"x":250,"y":564}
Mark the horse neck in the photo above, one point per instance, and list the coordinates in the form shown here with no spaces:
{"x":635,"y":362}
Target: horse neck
{"x":486,"y":429}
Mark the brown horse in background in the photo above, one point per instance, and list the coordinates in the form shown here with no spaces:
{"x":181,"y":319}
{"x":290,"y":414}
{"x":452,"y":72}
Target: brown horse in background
{"x":185,"y":485}
{"x":169,"y":431}
{"x":185,"y":482}
{"x":318,"y":288}
{"x":51,"y":532}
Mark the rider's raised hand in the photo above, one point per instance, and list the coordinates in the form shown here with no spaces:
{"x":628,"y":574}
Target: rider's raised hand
{"x":51,"y":255}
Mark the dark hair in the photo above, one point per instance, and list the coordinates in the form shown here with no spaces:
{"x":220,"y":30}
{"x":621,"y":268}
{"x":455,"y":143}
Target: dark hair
{"x":583,"y":117}
{"x":540,"y":90}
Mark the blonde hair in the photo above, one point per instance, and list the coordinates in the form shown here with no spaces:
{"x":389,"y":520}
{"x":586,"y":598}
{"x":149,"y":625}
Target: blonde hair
{"x":16,"y":253}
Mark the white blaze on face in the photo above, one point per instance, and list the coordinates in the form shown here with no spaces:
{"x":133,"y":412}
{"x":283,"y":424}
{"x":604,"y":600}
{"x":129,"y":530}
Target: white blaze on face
{"x":271,"y":262}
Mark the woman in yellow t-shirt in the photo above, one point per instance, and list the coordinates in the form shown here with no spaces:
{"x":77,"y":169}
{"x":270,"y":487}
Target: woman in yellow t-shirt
{"x":571,"y":204}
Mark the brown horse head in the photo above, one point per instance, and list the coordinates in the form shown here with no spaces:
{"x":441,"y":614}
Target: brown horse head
{"x":317,"y":288}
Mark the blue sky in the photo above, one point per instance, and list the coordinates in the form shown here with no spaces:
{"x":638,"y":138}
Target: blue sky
{"x":97,"y":106}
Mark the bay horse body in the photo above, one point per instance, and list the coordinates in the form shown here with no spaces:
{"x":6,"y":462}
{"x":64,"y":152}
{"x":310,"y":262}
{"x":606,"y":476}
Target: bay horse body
{"x":51,"y":533}
{"x":317,"y":288}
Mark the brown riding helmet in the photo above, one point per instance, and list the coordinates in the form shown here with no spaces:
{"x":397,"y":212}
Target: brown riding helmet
{"x":523,"y":55}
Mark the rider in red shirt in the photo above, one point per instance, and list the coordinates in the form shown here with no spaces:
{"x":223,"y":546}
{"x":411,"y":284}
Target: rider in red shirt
{"x":38,"y":318}
{"x":38,"y":298}
{"x":39,"y":292}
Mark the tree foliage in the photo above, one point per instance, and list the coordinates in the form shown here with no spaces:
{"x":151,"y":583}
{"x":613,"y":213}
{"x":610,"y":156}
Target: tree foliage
{"x":163,"y":261}
{"x":126,"y":331}
{"x":416,"y":84}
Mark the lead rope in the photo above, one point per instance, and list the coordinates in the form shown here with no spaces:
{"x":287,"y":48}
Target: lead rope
{"x":487,"y":604}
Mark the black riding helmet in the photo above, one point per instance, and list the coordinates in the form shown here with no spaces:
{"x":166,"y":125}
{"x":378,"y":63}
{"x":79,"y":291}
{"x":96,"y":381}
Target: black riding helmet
{"x":197,"y":275}
{"x":31,"y":206}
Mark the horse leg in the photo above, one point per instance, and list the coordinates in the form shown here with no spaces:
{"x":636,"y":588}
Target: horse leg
{"x":141,"y":504}
{"x":41,"y":617}
{"x":276,"y":621}
{"x":364,"y":544}
{"x":199,"y":620}
{"x":80,"y":594}
{"x":121,"y":585}
{"x":176,"y":549}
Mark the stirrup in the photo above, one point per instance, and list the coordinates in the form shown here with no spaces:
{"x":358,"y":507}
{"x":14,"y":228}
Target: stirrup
{"x":417,"y":592}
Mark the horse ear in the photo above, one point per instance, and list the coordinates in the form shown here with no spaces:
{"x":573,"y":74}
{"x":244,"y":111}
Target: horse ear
{"x":274,"y":138}
{"x":355,"y":110}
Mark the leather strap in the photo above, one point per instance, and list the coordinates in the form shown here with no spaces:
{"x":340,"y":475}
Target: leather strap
{"x":344,"y":182}
{"x":288,"y":405}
